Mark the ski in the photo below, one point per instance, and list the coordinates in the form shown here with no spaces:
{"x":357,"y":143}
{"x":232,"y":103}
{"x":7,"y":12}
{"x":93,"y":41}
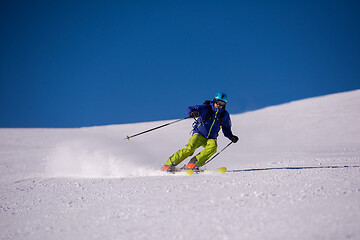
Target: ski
{"x":197,"y":171}
{"x":182,"y":171}
{"x":217,"y":170}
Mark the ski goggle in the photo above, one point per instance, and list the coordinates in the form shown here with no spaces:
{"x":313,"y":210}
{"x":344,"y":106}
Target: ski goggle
{"x":220,"y":103}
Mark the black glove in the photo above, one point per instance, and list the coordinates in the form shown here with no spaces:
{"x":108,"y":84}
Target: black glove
{"x":195,"y":114}
{"x":234,"y":139}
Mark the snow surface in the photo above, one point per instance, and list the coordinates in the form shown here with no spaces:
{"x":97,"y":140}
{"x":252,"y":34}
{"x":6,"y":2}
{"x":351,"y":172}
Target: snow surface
{"x":294,"y":174}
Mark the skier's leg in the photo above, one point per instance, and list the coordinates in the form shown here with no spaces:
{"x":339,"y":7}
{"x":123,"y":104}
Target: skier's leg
{"x":209,"y":149}
{"x":195,"y":141}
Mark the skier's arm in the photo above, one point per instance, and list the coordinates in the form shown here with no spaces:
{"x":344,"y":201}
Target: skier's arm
{"x":226,"y":127}
{"x":197,"y":108}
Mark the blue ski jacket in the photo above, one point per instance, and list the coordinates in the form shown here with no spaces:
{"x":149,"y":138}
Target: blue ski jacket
{"x":214,"y":119}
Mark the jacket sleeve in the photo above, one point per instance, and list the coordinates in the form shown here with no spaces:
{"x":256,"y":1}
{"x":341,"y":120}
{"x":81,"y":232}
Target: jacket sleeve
{"x":226,"y":127}
{"x":199,"y":108}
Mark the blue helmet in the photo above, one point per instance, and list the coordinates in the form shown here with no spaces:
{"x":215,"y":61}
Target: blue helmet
{"x":221,"y":96}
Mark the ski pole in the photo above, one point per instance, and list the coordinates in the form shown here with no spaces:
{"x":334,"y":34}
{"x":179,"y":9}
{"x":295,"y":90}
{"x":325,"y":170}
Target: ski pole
{"x":218,"y":153}
{"x":152,"y":129}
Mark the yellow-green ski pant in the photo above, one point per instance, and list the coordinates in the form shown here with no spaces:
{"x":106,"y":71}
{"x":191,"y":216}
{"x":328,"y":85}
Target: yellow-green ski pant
{"x":196,"y":141}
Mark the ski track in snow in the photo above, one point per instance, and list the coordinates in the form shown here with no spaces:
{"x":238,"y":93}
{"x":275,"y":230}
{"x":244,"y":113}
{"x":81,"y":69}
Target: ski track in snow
{"x":293,"y":175}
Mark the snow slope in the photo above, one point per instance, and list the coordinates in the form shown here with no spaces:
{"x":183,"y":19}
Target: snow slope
{"x":294,"y":174}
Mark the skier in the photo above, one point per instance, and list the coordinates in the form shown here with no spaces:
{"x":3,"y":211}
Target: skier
{"x":210,"y":117}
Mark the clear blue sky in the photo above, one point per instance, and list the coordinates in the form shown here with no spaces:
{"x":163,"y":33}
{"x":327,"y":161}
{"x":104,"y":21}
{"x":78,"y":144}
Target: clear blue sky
{"x":85,"y":63}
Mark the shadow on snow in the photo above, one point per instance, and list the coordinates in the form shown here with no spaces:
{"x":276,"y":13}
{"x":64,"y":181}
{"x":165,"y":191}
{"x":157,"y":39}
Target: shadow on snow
{"x":287,"y":168}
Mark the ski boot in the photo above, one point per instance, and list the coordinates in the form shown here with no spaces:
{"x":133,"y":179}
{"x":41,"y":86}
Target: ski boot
{"x":167,"y":168}
{"x":191,"y":165}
